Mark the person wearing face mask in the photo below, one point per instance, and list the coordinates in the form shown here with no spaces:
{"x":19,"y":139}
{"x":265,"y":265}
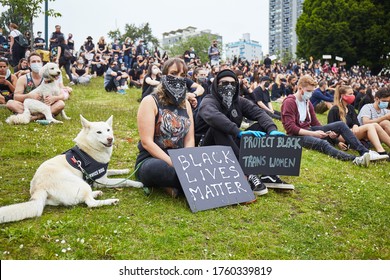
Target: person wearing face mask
{"x":377,"y":112}
{"x":26,"y":83}
{"x":343,"y":110}
{"x":80,"y":73}
{"x":114,"y":79}
{"x":151,"y":80}
{"x":164,"y":122}
{"x":299,"y":119}
{"x":220,"y":116}
{"x":39,"y":42}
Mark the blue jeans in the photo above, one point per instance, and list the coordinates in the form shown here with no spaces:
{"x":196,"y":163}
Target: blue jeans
{"x":322,"y":145}
{"x":128,"y":61}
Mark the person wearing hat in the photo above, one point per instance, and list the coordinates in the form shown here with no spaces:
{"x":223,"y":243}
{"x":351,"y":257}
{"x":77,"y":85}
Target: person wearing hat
{"x":220,"y":115}
{"x":262,"y":98}
{"x":39,"y":42}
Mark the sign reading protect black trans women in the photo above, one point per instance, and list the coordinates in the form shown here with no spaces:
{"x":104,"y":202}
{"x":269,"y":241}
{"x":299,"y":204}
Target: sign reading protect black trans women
{"x":211,"y":177}
{"x":271,"y":155}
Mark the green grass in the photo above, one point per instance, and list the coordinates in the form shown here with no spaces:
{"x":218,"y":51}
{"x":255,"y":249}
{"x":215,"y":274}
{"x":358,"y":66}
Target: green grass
{"x":337,"y":211}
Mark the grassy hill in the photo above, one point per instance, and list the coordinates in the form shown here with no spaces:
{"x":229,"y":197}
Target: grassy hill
{"x":337,"y":211}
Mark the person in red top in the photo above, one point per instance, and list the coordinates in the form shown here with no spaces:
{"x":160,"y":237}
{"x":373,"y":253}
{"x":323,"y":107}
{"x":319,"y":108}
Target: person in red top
{"x":299,"y":119}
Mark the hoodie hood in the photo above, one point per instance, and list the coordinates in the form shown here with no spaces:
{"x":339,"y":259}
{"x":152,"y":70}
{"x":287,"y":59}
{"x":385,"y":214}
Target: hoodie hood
{"x":214,"y":87}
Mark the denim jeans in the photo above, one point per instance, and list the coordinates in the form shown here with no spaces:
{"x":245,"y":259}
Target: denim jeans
{"x":321,"y":145}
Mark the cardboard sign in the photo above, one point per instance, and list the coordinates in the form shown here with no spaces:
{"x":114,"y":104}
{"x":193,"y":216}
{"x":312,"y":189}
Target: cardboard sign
{"x":272,"y":155}
{"x":211,"y":177}
{"x":338,"y":58}
{"x":326,"y":56}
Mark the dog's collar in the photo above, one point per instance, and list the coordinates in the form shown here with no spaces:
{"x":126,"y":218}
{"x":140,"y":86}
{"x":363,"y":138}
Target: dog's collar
{"x":48,"y":81}
{"x":90,"y":168}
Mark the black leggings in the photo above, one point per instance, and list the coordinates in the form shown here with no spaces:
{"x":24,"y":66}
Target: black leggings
{"x":157,"y":173}
{"x":66,"y":64}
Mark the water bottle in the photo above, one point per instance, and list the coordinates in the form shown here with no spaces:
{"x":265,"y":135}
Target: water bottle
{"x":43,"y":122}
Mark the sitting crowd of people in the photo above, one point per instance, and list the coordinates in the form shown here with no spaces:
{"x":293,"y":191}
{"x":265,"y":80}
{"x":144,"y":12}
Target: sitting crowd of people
{"x":187,"y":103}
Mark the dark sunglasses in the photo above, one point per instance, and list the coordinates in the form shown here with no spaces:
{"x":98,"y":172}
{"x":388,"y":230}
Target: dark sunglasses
{"x":226,"y":83}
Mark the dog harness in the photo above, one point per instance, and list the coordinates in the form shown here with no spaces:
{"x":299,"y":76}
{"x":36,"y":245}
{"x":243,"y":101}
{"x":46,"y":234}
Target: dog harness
{"x":90,"y":168}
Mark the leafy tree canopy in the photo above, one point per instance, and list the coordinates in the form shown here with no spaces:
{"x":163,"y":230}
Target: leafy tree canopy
{"x":357,"y":30}
{"x":200,"y":44}
{"x":135,"y":33}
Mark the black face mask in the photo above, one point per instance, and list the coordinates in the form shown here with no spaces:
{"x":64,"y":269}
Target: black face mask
{"x":227,"y":94}
{"x":115,"y":68}
{"x":175,"y":87}
{"x":266,"y":84}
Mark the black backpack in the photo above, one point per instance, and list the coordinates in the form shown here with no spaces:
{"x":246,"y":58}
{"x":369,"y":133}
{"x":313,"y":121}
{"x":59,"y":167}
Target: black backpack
{"x":22,"y":41}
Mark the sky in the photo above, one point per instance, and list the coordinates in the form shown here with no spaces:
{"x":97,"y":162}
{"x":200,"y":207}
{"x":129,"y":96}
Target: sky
{"x":229,"y":18}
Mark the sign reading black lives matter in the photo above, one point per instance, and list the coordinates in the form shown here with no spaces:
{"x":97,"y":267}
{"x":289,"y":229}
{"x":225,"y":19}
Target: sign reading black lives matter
{"x":211,"y":177}
{"x":271,"y":155}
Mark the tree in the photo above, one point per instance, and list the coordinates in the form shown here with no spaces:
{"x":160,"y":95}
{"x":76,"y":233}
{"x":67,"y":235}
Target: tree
{"x":135,"y":33}
{"x":357,"y":30}
{"x":28,"y":10}
{"x":200,"y":44}
{"x":10,"y":16}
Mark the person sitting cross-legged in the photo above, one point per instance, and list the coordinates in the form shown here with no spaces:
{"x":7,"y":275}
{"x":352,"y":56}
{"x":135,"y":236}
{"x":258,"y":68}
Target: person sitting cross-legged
{"x":219,"y":118}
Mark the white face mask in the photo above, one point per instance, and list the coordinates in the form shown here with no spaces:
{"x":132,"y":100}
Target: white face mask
{"x":80,"y":61}
{"x":307,"y":95}
{"x":36,"y":66}
{"x":155,"y":71}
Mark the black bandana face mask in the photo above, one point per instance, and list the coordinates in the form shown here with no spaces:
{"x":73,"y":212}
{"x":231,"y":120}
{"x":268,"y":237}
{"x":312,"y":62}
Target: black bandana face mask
{"x":175,"y":87}
{"x":227,"y":94}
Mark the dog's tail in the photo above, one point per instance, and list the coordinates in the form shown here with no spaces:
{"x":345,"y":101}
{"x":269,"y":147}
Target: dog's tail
{"x":23,"y":118}
{"x":21,"y":211}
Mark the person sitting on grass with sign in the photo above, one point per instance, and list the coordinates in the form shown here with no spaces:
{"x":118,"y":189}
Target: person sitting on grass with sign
{"x":164,"y":122}
{"x":299,"y":119}
{"x":220,"y":116}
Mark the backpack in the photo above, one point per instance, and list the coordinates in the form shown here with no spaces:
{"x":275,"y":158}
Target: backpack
{"x":22,"y":41}
{"x":67,"y":54}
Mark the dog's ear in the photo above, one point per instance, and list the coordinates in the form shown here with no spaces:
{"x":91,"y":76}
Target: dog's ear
{"x":84,"y":122}
{"x":109,"y":121}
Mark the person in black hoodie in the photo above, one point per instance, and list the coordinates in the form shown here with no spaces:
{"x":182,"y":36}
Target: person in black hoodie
{"x":219,"y":119}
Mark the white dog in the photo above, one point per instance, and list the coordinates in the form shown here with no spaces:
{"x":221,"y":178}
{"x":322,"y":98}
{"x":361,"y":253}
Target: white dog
{"x":49,"y":87}
{"x":65,"y":179}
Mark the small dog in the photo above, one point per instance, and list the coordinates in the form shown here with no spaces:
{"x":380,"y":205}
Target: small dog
{"x":49,"y":72}
{"x":66,"y":179}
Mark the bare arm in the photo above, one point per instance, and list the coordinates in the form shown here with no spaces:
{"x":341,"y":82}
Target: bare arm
{"x":145,"y":119}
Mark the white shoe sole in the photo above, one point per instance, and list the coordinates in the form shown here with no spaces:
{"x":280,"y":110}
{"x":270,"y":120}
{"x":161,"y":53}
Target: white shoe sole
{"x":262,"y":192}
{"x":279,"y":186}
{"x":380,"y":157}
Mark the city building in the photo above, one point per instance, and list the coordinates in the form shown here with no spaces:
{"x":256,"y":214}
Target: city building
{"x":245,"y":48}
{"x":283,"y":16}
{"x":171,"y":37}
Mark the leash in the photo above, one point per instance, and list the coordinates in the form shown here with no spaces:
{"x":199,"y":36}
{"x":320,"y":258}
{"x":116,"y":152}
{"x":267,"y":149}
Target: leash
{"x":89,"y":178}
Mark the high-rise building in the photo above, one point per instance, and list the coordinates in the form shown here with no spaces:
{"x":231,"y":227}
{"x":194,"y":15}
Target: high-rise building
{"x":245,"y":48}
{"x":283,"y":16}
{"x":172,"y":37}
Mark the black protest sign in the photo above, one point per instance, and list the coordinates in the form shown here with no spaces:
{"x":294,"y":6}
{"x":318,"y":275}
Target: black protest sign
{"x":271,"y":155}
{"x":211,"y":177}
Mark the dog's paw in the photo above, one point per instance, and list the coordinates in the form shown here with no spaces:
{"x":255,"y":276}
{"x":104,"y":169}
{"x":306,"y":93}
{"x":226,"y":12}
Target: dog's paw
{"x":136,"y":184}
{"x":96,"y":194}
{"x":114,"y":201}
{"x":55,"y":121}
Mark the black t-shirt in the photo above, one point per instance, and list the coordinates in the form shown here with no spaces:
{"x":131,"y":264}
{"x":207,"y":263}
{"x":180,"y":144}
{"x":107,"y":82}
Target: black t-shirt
{"x":261,"y":95}
{"x":39,"y":40}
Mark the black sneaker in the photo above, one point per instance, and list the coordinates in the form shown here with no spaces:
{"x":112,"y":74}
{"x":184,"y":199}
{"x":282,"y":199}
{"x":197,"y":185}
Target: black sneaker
{"x":274,"y":182}
{"x":257,"y":186}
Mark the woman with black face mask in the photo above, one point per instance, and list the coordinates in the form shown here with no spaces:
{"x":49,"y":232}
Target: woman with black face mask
{"x":164,"y":122}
